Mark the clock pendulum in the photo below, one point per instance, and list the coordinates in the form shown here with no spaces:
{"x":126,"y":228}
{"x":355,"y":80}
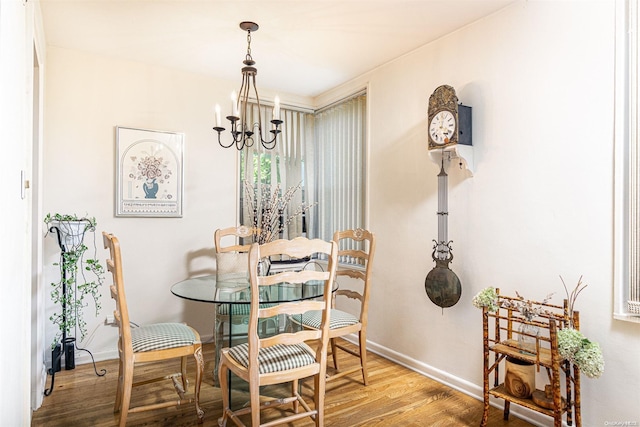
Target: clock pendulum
{"x":442,"y":284}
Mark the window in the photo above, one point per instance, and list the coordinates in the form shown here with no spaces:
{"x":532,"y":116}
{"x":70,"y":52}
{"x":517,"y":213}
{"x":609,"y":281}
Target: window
{"x":283,"y":166}
{"x":627,"y":165}
{"x":325,"y":152}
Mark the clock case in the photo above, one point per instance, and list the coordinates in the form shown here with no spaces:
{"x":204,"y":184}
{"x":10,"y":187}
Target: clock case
{"x":464,"y":125}
{"x":444,"y":99}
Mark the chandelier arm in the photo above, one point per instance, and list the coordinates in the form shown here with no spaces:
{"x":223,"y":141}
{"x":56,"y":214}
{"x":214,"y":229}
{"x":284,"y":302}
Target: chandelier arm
{"x":255,"y":91}
{"x":243,"y":101}
{"x":270,"y":145}
{"x":248,"y":141}
{"x":242,"y":93}
{"x":235,"y":132}
{"x":219,"y":130}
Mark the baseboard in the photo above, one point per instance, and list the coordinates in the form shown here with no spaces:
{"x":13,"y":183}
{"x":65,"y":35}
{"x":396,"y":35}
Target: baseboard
{"x":41,"y":381}
{"x":83,"y":357}
{"x":449,"y":380}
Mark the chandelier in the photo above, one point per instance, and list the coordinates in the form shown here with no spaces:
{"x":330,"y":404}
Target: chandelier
{"x":241,"y":130}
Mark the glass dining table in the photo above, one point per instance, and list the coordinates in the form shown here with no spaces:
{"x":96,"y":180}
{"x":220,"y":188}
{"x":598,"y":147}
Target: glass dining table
{"x":237,"y":291}
{"x":232,"y":299}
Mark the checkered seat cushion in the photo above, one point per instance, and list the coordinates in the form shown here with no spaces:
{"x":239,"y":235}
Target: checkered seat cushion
{"x":279,"y":357}
{"x":339,"y":319}
{"x":161,"y":336}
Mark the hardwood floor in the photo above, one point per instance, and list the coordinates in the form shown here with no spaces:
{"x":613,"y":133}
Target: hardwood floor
{"x":395,"y":396}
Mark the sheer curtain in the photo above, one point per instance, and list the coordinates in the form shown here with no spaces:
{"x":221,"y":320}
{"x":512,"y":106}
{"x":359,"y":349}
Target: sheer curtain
{"x":284,"y":165}
{"x":339,"y":156}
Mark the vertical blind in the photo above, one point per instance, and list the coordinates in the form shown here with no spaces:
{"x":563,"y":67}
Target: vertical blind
{"x":339,"y":151}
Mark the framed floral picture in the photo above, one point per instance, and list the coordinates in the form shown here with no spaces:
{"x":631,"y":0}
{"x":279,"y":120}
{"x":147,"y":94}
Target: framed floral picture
{"x":148,"y":173}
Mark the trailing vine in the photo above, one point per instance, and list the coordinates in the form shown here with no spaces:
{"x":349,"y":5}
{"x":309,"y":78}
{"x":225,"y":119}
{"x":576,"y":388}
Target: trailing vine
{"x":82,"y":277}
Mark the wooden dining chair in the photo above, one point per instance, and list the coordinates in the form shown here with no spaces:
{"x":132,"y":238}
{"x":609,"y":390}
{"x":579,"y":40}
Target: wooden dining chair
{"x":232,"y":265}
{"x":149,"y":343}
{"x":286,"y":357}
{"x":356,"y":250}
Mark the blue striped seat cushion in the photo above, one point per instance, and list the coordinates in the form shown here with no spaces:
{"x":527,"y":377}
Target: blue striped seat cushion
{"x":239,"y":309}
{"x":279,"y":357}
{"x":161,"y":336}
{"x":339,"y":319}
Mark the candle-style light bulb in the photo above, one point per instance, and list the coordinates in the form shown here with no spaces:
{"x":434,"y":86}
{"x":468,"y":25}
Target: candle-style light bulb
{"x":217,"y":115}
{"x":276,"y":108}
{"x":234,"y":104}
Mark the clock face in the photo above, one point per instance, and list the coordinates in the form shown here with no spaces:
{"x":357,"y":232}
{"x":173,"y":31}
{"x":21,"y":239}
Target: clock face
{"x":442,"y":127}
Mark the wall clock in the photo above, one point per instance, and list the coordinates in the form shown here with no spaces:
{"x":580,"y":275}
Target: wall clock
{"x":449,"y":124}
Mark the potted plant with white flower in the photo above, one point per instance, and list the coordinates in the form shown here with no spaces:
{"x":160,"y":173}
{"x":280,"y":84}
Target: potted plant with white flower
{"x":574,"y":346}
{"x":488,"y":297}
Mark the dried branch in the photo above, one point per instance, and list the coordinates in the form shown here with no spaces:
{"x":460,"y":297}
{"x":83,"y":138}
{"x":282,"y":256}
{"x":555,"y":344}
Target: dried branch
{"x":268,"y":210}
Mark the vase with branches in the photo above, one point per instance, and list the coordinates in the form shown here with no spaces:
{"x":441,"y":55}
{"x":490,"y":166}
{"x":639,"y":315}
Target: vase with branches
{"x":268,"y":210}
{"x":269,"y":214}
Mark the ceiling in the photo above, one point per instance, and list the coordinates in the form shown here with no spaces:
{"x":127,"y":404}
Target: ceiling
{"x":303,"y":47}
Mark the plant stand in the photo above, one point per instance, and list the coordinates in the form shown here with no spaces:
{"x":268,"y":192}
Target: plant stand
{"x":499,"y":340}
{"x":67,"y":345}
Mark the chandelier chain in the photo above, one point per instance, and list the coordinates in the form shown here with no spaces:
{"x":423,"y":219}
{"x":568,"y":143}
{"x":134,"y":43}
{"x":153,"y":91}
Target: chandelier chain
{"x":249,"y":45}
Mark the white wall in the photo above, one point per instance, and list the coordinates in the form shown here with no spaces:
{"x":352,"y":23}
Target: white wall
{"x":539,"y":76}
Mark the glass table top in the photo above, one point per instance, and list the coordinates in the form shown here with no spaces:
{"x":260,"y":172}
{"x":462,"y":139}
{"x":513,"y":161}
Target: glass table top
{"x":237,"y":291}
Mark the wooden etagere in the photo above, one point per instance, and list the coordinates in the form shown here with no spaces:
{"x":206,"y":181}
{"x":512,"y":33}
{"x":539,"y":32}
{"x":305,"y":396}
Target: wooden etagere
{"x":500,"y":332}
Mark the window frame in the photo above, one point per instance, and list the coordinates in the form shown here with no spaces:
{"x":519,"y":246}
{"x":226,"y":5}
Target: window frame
{"x":626,"y":171}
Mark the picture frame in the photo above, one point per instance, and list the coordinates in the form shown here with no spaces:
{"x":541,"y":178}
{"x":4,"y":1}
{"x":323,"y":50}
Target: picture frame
{"x":149,"y":173}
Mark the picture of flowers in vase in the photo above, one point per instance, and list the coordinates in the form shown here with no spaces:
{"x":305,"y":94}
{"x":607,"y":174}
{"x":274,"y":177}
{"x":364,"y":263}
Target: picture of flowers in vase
{"x":148,"y":173}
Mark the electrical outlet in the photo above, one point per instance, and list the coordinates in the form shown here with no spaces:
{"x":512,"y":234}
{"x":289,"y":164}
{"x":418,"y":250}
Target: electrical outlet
{"x":110,"y":320}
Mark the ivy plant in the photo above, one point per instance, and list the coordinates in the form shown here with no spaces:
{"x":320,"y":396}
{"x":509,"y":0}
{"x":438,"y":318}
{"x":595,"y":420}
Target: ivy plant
{"x":80,"y":280}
